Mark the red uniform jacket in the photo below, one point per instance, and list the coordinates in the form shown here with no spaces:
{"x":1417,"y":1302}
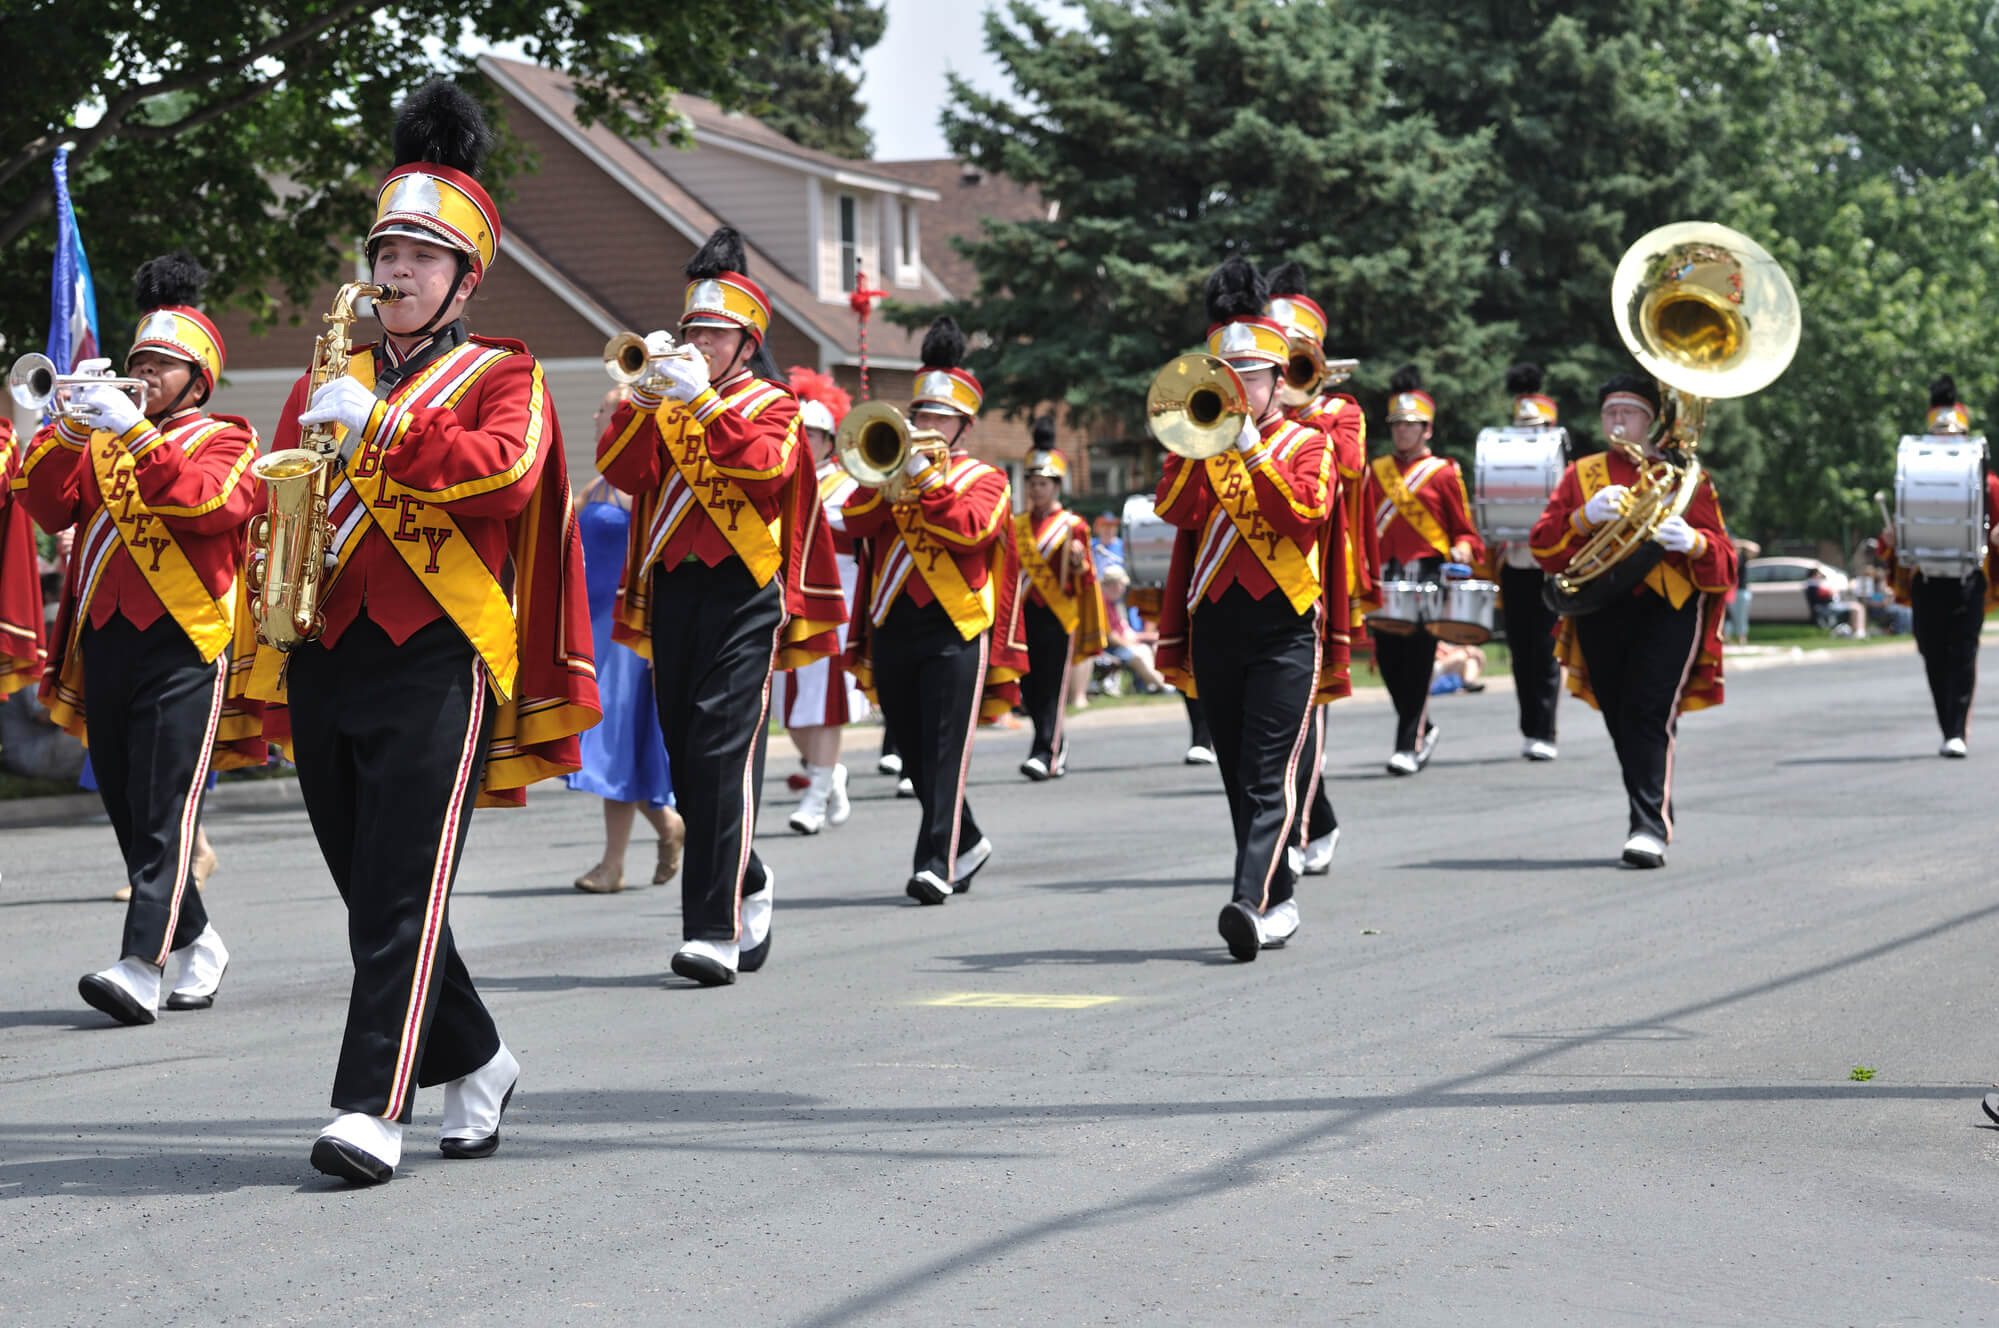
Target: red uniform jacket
{"x":1293,"y":486}
{"x":1707,"y":572}
{"x":1439,"y":487}
{"x":23,"y":649}
{"x":1340,"y":415}
{"x":471,"y":440}
{"x":1900,"y":577}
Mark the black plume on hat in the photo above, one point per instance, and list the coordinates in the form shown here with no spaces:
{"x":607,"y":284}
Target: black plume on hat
{"x":943,"y":345}
{"x":1044,"y":433}
{"x":173,"y":278}
{"x":1523,"y":380}
{"x":723,"y":252}
{"x":1943,"y":392}
{"x":1635,"y":384}
{"x":1406,"y":379}
{"x":442,"y":125}
{"x":1286,"y":279}
{"x":1234,"y":290}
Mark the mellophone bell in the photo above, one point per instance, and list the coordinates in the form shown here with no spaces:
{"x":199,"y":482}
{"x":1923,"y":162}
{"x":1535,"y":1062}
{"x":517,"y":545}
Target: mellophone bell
{"x":1938,"y":552}
{"x":1637,"y":555}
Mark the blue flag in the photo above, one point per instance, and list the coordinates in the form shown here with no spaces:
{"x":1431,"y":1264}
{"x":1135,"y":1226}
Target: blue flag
{"x":72,"y":297}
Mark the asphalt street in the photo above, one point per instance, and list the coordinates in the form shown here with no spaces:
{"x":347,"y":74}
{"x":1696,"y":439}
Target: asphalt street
{"x":1496,"y":1079}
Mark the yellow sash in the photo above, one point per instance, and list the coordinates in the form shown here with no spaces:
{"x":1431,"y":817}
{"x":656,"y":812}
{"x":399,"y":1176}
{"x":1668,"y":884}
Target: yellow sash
{"x":1665,"y":580}
{"x":1296,"y":573}
{"x":1046,"y":580}
{"x":971,"y":610}
{"x":1407,"y":507}
{"x":759,"y":546}
{"x":210,"y":623}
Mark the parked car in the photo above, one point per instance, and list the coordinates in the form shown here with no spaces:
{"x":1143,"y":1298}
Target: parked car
{"x":1777,"y":587}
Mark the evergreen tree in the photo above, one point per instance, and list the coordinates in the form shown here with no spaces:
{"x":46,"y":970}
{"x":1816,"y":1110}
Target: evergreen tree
{"x":808,"y":67}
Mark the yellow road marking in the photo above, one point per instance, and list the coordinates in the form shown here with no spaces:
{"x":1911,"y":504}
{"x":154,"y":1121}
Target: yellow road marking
{"x":1016,"y":1000}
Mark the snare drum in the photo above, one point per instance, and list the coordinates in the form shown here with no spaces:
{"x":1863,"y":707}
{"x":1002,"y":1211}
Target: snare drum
{"x":1405,"y":606}
{"x":1514,"y":474}
{"x":1464,"y":612}
{"x":1940,"y":504}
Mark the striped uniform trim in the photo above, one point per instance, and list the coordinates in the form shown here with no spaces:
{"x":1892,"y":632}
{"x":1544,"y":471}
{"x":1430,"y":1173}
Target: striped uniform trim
{"x":1216,"y":541}
{"x":440,"y":892}
{"x":748,"y":788}
{"x":1283,"y":843}
{"x":450,"y":394}
{"x":1318,"y":775}
{"x":1679,"y":695}
{"x":1416,"y":477}
{"x":190,"y":811}
{"x":92,"y":555}
{"x":965,"y":757}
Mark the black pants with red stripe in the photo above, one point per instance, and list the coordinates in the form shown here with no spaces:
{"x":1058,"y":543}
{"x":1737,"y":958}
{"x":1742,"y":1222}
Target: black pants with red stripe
{"x":1317,"y":820}
{"x":1948,"y":616}
{"x":150,"y":708}
{"x":714,"y":638}
{"x":1640,"y":651}
{"x":930,"y":680}
{"x":1406,"y":663}
{"x":1530,"y":638}
{"x":1256,"y":668}
{"x":390,"y":742}
{"x":1047,"y":680}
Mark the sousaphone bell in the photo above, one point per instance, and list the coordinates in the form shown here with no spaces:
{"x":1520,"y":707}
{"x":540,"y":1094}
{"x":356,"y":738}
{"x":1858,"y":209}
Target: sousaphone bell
{"x":1196,"y":406}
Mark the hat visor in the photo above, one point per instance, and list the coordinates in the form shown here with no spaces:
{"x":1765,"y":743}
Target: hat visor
{"x":418,"y":231}
{"x":167,"y":349}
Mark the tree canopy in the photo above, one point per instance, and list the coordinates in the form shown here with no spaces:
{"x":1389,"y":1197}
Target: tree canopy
{"x":808,"y":73}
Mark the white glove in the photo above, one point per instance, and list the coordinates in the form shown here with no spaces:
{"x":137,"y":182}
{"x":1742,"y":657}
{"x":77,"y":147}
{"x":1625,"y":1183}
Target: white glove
{"x":1249,"y":439}
{"x":915,"y":463}
{"x":343,"y":402}
{"x":105,"y":407}
{"x":659,"y":344}
{"x":686,"y":376}
{"x":1676,"y":535}
{"x":1606,"y":504}
{"x":95,"y":368}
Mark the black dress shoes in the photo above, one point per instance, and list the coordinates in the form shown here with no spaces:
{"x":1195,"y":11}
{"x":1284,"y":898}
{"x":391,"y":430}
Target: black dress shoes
{"x":337,"y":1157}
{"x":1240,"y":930}
{"x":113,"y":999}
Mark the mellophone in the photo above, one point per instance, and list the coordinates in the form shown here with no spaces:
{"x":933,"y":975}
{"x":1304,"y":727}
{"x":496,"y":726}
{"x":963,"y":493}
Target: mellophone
{"x":1940,"y":504}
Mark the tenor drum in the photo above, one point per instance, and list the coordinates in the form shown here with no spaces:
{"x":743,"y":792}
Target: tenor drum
{"x":1405,"y":606}
{"x":1464,"y":612}
{"x":1514,"y":474}
{"x":1940,"y":504}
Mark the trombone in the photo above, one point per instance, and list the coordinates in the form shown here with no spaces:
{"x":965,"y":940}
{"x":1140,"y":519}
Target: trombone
{"x":873,"y":444}
{"x":1308,"y":371}
{"x":1196,"y":406}
{"x":35,"y":385}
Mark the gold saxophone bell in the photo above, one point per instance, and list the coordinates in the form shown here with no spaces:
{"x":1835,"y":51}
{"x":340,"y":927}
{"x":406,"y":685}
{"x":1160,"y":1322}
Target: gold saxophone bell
{"x":35,"y":385}
{"x":873,"y":444}
{"x":1711,"y":315}
{"x":1196,"y":406}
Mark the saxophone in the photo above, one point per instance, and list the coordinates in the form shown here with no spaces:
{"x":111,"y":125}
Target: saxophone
{"x":288,"y":542}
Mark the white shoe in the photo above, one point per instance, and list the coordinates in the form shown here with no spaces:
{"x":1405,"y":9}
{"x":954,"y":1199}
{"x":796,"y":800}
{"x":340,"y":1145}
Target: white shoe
{"x":810,"y":818}
{"x":1279,"y":924}
{"x":1060,"y":765}
{"x":926,"y":887}
{"x":128,"y":991}
{"x":1642,"y":850}
{"x":1954,"y":747}
{"x":1404,"y":763}
{"x":1426,"y":746}
{"x":1536,"y":749}
{"x":838,"y":807}
{"x":757,"y":910}
{"x":1034,"y":768}
{"x":1294,"y":858}
{"x":359,"y":1148}
{"x":969,"y":863}
{"x":710,"y":963}
{"x":202,"y":963}
{"x":890,"y":764}
{"x":1198,"y":755}
{"x":905,"y":787}
{"x":1319,"y":853}
{"x":474,"y":1105}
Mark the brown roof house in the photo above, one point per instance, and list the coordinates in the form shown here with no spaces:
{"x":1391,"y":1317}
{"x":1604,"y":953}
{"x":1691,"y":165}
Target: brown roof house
{"x":595,"y":237}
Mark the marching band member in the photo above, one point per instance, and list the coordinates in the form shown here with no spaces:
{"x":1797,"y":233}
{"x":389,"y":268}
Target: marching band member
{"x":1423,"y":520}
{"x":1063,"y":610}
{"x":1949,"y":612}
{"x":718,"y":587}
{"x":1252,"y":621}
{"x":23,"y":648}
{"x":1530,"y":623}
{"x":1655,"y":652}
{"x":939,"y":647}
{"x":454,"y":660}
{"x":820,"y":698}
{"x":159,"y":494}
{"x":1340,"y":415}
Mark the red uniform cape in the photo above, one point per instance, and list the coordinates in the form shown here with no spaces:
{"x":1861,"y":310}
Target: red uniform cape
{"x":1174,"y":657}
{"x":1340,"y":415}
{"x":555,"y":685}
{"x":1708,"y":572}
{"x":1086,"y":618}
{"x":1901,"y":578}
{"x":23,"y":648}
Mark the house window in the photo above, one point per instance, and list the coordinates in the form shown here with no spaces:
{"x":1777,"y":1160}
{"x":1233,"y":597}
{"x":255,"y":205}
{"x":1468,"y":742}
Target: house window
{"x":850,"y":241}
{"x":905,"y":236}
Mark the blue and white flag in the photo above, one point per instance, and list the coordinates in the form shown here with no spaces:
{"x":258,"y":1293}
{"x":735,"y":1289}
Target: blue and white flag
{"x":72,"y":297}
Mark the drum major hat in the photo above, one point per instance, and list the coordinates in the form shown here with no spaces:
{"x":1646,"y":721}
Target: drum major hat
{"x":165,"y":290}
{"x":719,"y":293}
{"x":942,"y":383}
{"x":1288,"y":306}
{"x":1045,"y":458}
{"x":1947,"y":413}
{"x":1531,"y":409}
{"x":433,"y":193}
{"x":1407,"y":401}
{"x":1238,"y":330}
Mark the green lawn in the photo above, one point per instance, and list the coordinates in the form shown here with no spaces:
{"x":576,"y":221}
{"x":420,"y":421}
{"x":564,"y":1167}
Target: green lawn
{"x":1808,"y":637}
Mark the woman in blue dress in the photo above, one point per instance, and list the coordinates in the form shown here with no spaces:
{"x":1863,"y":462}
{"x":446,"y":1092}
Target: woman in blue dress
{"x":624,"y":756}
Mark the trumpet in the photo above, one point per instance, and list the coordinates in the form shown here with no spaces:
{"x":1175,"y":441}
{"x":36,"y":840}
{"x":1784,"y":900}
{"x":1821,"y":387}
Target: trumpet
{"x":1196,"y":406}
{"x":873,"y":444}
{"x":35,"y":385}
{"x":629,"y":364}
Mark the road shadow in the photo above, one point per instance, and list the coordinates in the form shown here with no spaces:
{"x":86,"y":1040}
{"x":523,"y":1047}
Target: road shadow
{"x":1211,"y":957}
{"x":1512,"y":864}
{"x":1101,"y":884}
{"x":105,"y":898}
{"x":82,"y":1019}
{"x":572,"y":981}
{"x":528,"y":892}
{"x":1855,"y":760}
